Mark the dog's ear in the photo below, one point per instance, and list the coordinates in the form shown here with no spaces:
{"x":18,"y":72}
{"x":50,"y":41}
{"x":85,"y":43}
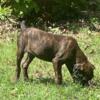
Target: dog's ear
{"x":91,"y":66}
{"x":76,"y":65}
{"x":79,"y":66}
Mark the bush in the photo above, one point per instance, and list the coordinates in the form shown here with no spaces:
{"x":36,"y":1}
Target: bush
{"x":5,"y":12}
{"x":51,"y":9}
{"x":23,"y":8}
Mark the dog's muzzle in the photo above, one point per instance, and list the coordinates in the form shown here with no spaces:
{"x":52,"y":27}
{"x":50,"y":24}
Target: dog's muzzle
{"x":79,"y":76}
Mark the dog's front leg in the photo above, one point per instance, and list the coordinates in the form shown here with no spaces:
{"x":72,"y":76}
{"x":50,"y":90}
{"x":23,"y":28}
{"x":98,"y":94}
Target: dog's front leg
{"x":57,"y":69}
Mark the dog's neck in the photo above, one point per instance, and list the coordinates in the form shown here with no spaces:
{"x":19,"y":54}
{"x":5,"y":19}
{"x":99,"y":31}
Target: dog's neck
{"x":80,"y":56}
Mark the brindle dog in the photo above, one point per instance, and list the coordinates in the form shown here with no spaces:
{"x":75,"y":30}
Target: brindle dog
{"x":57,"y":49}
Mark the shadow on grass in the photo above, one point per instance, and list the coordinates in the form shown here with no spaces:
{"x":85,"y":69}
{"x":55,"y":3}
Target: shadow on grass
{"x":47,"y":80}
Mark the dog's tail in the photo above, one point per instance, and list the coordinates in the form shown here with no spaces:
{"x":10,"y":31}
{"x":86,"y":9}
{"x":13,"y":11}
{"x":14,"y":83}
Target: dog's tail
{"x":22,"y":25}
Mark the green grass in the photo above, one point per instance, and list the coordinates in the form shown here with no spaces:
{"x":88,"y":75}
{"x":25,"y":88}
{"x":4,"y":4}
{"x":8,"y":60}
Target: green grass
{"x":42,"y":86}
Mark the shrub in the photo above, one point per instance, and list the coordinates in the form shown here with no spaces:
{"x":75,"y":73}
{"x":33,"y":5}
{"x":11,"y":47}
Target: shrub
{"x":5,"y":12}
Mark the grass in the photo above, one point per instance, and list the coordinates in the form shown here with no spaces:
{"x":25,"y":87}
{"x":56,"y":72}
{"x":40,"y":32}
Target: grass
{"x":42,"y":86}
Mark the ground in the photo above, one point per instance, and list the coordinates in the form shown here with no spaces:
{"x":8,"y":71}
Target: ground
{"x":42,"y":86}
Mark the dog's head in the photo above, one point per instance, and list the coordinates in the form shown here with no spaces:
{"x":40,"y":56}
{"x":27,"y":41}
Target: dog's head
{"x":83,"y":72}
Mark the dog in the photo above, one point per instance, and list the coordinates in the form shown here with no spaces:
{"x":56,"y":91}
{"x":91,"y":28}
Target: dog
{"x":57,"y":49}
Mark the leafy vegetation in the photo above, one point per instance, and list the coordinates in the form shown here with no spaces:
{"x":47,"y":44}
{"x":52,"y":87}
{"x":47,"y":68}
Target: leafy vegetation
{"x":5,"y":12}
{"x":54,"y":10}
{"x":42,"y":86}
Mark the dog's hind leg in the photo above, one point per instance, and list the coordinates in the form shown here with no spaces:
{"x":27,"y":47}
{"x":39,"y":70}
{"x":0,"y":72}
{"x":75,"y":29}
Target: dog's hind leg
{"x":20,"y":54}
{"x":26,"y":64}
